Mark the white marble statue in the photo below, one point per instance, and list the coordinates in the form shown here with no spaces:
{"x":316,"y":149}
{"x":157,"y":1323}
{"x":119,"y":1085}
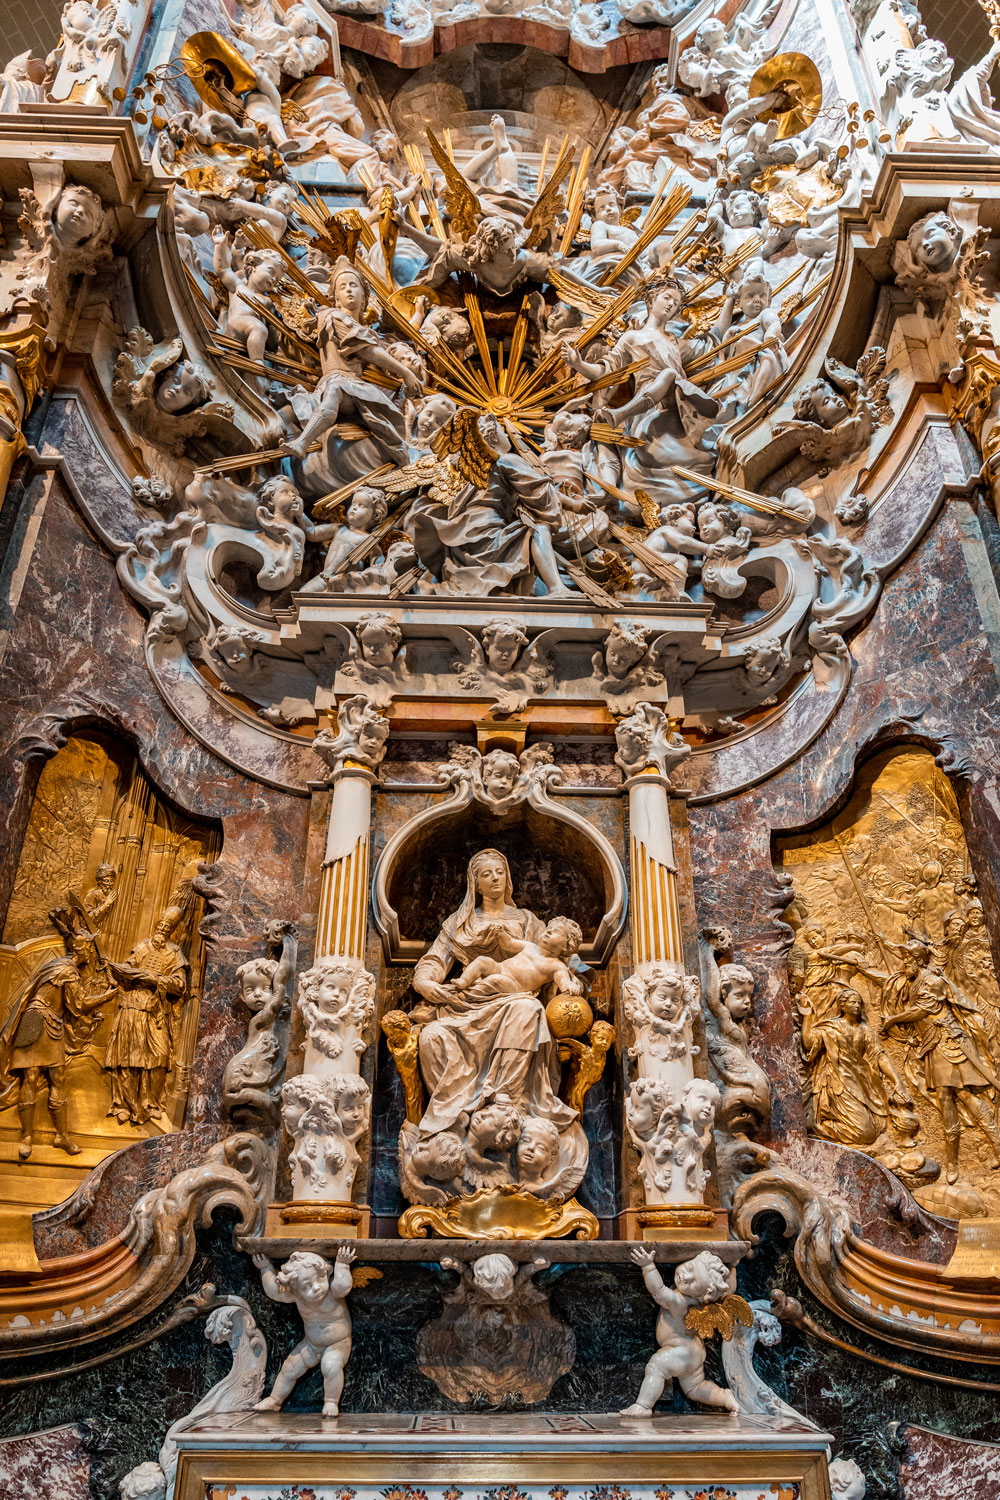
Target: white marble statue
{"x":681,"y":1353}
{"x":319,"y":1293}
{"x":486,"y":1055}
{"x":361,"y":736}
{"x":337,"y":1002}
{"x":326,"y":1117}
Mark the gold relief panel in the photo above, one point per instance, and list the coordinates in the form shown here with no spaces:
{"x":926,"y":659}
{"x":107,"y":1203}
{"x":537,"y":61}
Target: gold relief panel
{"x":100,"y":973}
{"x":896,"y":993}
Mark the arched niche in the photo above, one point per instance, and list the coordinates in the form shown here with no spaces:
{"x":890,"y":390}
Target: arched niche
{"x":560,"y":864}
{"x":105,"y":856}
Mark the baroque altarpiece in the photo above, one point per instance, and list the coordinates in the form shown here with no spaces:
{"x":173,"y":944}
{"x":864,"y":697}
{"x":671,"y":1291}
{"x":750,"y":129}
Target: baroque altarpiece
{"x":500,"y":647}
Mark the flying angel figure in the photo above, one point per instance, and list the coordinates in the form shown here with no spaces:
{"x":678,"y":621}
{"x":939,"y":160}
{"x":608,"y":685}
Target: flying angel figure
{"x":836,"y":415}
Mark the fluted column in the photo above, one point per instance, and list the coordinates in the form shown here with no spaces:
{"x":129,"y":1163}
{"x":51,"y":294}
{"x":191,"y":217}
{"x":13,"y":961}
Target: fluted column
{"x":326,"y":1108}
{"x":669,"y":1110}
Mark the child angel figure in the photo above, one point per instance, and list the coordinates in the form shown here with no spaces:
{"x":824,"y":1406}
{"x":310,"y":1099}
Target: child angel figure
{"x":367,"y":509}
{"x":681,"y":1352}
{"x":529,"y":967}
{"x":319,"y":1292}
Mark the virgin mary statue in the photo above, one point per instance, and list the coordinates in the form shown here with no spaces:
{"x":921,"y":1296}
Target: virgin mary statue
{"x":487,"y":1057}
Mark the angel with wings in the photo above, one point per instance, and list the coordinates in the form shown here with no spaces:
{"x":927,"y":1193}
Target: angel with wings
{"x":486,"y":523}
{"x":836,"y":415}
{"x":503,"y":666}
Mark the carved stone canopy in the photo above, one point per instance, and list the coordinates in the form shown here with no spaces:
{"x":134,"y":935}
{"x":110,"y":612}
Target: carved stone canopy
{"x":483,"y":801}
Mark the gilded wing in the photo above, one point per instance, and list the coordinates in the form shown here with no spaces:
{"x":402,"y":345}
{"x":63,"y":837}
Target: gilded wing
{"x":719,"y":1317}
{"x":541,"y":216}
{"x":461,"y":436}
{"x":361,"y":1275}
{"x":459,"y":199}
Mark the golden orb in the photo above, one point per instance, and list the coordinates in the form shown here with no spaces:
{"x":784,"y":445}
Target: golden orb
{"x":569,"y":1015}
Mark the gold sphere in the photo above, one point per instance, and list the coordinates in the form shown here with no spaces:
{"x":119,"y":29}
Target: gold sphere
{"x":569,"y":1015}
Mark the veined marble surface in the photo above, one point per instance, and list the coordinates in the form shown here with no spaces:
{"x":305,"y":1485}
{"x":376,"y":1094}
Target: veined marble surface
{"x":431,"y":1432}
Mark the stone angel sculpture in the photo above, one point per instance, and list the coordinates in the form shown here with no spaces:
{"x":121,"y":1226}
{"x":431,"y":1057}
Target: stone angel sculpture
{"x":836,"y":415}
{"x":645,"y":738}
{"x":507,"y":665}
{"x":337,"y":1002}
{"x":319,"y":1292}
{"x":69,"y":232}
{"x":745,"y":1106}
{"x":680,"y":1356}
{"x":500,"y":779}
{"x":661,"y":1004}
{"x":325,"y":1117}
{"x":165,"y":397}
{"x":361,"y":736}
{"x":250,"y":1092}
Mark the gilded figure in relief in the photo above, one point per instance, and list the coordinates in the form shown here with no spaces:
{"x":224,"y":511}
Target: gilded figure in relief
{"x":895,"y":986}
{"x":138,"y":1054}
{"x":39,"y":1032}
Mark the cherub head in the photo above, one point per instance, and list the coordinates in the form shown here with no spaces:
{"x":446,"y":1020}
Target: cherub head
{"x":441,"y":1157}
{"x":298,"y":1095}
{"x":350,"y":1096}
{"x":502,"y":642}
{"x":380,"y":638}
{"x":495,"y":1127}
{"x":397,"y":1027}
{"x":665,"y":992}
{"x":263,"y":270}
{"x":935,"y":242}
{"x":821,"y":403}
{"x":254,"y":981}
{"x":700,"y":1100}
{"x":330,"y":984}
{"x":179,"y":388}
{"x":385,"y":143}
{"x":649,"y":1101}
{"x":607,"y":206}
{"x":561,"y":318}
{"x":715,"y":522}
{"x":847,"y":1482}
{"x":742,"y":209}
{"x":736,"y":989}
{"x":77,"y":217}
{"x":602,"y":1038}
{"x":537,"y":1149}
{"x":282,"y":499}
{"x":703,"y":1279}
{"x":500,"y":772}
{"x":624,"y":647}
{"x":753,"y":292}
{"x":449,"y":327}
{"x":562,"y":937}
{"x":306,"y":1275}
{"x":710,"y":36}
{"x":431,"y":415}
{"x":681,"y":517}
{"x":493,"y":1275}
{"x":367,"y":508}
{"x":567,"y":429}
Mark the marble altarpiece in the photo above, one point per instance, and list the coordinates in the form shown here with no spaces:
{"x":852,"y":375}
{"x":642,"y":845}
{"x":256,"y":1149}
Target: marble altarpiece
{"x":499,"y":752}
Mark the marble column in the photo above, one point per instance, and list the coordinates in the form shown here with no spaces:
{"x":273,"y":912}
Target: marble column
{"x":669,"y":1111}
{"x":326,"y":1108}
